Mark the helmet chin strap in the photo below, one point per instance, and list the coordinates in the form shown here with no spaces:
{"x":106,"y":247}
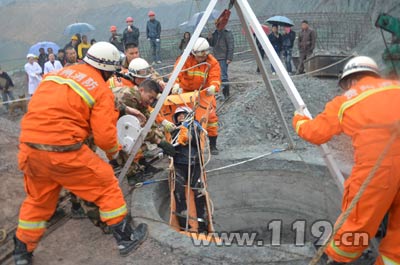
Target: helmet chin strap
{"x":106,"y":74}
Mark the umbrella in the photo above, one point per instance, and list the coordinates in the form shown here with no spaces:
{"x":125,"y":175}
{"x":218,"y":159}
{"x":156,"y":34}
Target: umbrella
{"x":44,"y":44}
{"x":195,"y":19}
{"x":78,"y":28}
{"x":280,"y":20}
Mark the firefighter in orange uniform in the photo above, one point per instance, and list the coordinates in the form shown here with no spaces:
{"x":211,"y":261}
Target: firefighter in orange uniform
{"x":206,"y":76}
{"x":369,"y":112}
{"x":69,"y":105}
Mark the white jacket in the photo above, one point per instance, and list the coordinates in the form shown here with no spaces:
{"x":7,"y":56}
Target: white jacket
{"x":49,"y":67}
{"x":34,"y":73}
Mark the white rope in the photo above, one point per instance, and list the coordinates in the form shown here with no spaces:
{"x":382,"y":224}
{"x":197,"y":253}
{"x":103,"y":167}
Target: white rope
{"x":248,"y":160}
{"x":15,"y":100}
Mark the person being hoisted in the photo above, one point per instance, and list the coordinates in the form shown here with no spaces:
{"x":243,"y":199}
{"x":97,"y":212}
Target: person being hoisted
{"x":187,"y":155}
{"x":203,"y":73}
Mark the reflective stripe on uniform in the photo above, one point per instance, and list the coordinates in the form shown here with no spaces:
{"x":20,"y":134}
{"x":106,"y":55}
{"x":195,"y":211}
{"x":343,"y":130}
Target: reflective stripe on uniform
{"x":299,"y":123}
{"x":388,"y":261}
{"x":112,"y":82}
{"x":89,"y":100}
{"x":212,"y":124}
{"x":113,"y":149}
{"x":114,"y":213}
{"x":350,"y":255}
{"x":197,"y":73}
{"x":216,"y":82}
{"x":30,"y":225}
{"x":361,"y":97}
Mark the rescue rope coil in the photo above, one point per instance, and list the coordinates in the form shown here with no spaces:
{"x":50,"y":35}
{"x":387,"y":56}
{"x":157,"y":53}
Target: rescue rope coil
{"x":395,"y":128}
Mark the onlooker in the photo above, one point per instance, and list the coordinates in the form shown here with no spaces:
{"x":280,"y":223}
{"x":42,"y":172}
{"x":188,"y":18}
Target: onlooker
{"x":276,"y":40}
{"x":131,"y":33}
{"x":79,"y":38}
{"x":184,"y":41}
{"x":153,"y":32}
{"x":73,"y":43}
{"x":42,"y":58}
{"x":116,"y":39}
{"x":259,"y":46}
{"x":49,"y":51}
{"x":307,"y":37}
{"x":71,"y":57}
{"x":61,"y":56}
{"x":131,"y":52}
{"x":6,"y":84}
{"x":83,"y":47}
{"x":52,"y":64}
{"x":223,"y":43}
{"x":92,"y":41}
{"x":34,"y":72}
{"x":288,"y":38}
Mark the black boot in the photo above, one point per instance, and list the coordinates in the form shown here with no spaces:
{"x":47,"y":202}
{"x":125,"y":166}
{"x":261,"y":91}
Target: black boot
{"x":326,"y":260}
{"x":21,"y":254}
{"x":128,"y":239}
{"x":213,"y":145}
{"x":225,"y":91}
{"x":332,"y":262}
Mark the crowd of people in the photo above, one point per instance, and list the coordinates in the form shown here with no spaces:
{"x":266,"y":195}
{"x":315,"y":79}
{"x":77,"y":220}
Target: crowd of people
{"x":283,"y":45}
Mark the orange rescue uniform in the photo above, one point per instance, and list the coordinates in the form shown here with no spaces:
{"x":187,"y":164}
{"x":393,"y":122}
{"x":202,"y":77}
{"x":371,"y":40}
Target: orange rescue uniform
{"x":192,"y":79}
{"x":365,"y":112}
{"x":67,"y":107}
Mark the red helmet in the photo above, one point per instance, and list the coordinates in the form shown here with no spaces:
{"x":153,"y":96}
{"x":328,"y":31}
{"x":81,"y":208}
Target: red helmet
{"x":129,"y":19}
{"x":151,"y":13}
{"x":113,"y":28}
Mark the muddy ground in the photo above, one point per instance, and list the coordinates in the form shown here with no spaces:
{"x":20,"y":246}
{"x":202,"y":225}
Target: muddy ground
{"x":249,"y":127}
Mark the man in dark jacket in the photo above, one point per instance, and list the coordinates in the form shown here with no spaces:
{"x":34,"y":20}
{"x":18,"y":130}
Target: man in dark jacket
{"x":131,"y":33}
{"x":153,"y":32}
{"x":288,"y":38}
{"x":276,"y":40}
{"x":307,"y":37}
{"x":116,"y":39}
{"x":5,"y":86}
{"x":223,"y":43}
{"x":43,"y":58}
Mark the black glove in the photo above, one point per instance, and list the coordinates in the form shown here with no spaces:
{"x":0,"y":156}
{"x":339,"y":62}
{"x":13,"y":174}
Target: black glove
{"x":118,"y":162}
{"x":114,"y":164}
{"x":167,"y":148}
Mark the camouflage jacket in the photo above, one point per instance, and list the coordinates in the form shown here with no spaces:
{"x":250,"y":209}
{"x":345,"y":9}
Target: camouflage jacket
{"x":130,"y":96}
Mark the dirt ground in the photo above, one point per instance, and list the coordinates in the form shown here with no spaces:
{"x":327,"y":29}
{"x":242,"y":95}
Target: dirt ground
{"x":248,"y":122}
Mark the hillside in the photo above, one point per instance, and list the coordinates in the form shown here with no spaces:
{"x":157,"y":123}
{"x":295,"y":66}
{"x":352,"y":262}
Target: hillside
{"x":25,"y":22}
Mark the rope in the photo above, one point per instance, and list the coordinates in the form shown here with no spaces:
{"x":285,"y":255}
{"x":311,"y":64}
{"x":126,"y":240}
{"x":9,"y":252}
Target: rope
{"x":248,"y":160}
{"x":326,"y":67}
{"x":343,"y":218}
{"x":15,"y":100}
{"x":260,"y":81}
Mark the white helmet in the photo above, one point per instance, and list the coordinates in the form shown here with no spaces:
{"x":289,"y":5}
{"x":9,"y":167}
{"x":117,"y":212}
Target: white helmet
{"x":201,"y":47}
{"x":180,"y":110}
{"x":103,"y":56}
{"x":359,"y":64}
{"x":139,"y":67}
